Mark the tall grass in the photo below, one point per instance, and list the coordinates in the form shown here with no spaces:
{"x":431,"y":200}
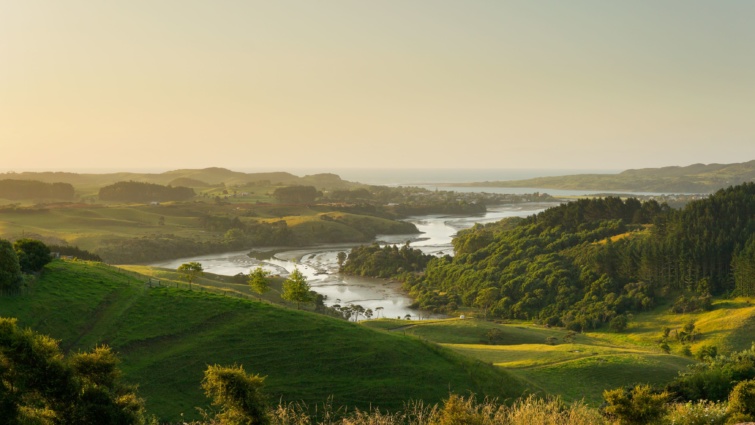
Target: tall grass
{"x":456,"y":410}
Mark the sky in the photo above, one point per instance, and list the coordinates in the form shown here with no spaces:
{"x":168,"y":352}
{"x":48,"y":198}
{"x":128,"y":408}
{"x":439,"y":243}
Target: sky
{"x":494,"y":84}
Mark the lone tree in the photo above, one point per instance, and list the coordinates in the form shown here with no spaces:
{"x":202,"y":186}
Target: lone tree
{"x":238,"y":395}
{"x":32,"y":254}
{"x":190,"y":271}
{"x":296,"y":289}
{"x":10,"y":270}
{"x":341,"y":258}
{"x":258,"y":281}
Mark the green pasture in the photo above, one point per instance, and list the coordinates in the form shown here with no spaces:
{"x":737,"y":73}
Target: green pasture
{"x":93,"y":226}
{"x":166,"y":336}
{"x":544,"y":359}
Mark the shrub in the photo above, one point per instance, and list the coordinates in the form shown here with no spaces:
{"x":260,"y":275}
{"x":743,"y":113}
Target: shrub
{"x":640,"y":405}
{"x":742,"y":398}
{"x":700,"y":413}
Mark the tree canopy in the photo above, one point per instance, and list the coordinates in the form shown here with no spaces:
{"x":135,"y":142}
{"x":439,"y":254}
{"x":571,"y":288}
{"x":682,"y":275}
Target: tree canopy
{"x":144,"y":192}
{"x":258,"y":281}
{"x":10,"y":269}
{"x":190,"y":271}
{"x":296,"y":289}
{"x":32,"y":254}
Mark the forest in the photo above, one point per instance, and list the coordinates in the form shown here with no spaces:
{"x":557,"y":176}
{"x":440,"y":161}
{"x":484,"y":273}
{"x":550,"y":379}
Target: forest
{"x":585,"y":263}
{"x":31,"y":189}
{"x":132,"y":191}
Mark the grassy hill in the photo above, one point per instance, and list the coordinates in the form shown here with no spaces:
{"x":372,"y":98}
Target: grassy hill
{"x":593,"y":361}
{"x":167,"y":336}
{"x":696,"y":178}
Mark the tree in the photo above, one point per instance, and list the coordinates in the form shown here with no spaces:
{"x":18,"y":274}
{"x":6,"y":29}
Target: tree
{"x":486,"y":298}
{"x":296,"y":289}
{"x":10,"y":270}
{"x":190,"y":271}
{"x":258,"y":281}
{"x":341,"y":258}
{"x":238,"y":395}
{"x":38,"y":382}
{"x":32,"y":254}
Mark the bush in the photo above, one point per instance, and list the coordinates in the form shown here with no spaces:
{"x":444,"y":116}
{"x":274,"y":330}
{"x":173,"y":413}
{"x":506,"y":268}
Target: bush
{"x":640,"y":405}
{"x":707,"y":352}
{"x":700,"y":413}
{"x":618,"y":323}
{"x":742,"y":398}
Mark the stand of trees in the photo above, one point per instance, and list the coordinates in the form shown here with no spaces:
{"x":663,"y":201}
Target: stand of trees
{"x":31,"y":189}
{"x":387,"y":261}
{"x":584,"y":263}
{"x":24,"y":256}
{"x":296,"y":194}
{"x":144,"y":192}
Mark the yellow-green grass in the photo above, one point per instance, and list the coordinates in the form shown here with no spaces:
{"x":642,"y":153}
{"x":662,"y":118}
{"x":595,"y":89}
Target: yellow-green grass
{"x":730,"y":326}
{"x":475,"y":331}
{"x":87,"y":227}
{"x":586,"y":378}
{"x":208,"y":281}
{"x":167,"y":336}
{"x":576,"y":370}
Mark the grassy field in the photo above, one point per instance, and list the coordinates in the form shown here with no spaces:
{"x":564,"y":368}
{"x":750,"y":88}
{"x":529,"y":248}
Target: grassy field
{"x":167,"y":336}
{"x":582,"y":366}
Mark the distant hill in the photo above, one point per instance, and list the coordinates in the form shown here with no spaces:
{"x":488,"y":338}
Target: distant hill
{"x":695,"y":178}
{"x":209,"y":176}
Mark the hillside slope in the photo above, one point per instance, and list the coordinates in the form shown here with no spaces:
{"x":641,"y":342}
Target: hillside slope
{"x":166,"y":337}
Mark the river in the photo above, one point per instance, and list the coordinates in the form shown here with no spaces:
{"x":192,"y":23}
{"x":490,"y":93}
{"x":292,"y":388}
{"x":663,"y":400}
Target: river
{"x":320,"y":266}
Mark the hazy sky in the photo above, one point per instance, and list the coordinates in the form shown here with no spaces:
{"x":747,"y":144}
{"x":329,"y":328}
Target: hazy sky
{"x":290,"y":84}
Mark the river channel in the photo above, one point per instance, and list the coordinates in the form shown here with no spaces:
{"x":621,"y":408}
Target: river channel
{"x":320,"y":266}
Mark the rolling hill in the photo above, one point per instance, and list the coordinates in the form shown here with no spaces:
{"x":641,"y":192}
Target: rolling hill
{"x":166,"y":337}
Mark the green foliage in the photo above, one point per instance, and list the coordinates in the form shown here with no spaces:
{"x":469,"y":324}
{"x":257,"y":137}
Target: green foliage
{"x":583,"y":263}
{"x":743,"y":268}
{"x":38,"y":383}
{"x":258,"y":281}
{"x":742,"y":398}
{"x":32,"y":255}
{"x":714,"y":379}
{"x":699,"y":413}
{"x":132,"y":191}
{"x":618,"y":323}
{"x":10,"y":270}
{"x":190,"y":271}
{"x":296,"y":289}
{"x":706,"y":352}
{"x":166,"y":337}
{"x":237,"y":394}
{"x":387,"y":261}
{"x":637,"y":406}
